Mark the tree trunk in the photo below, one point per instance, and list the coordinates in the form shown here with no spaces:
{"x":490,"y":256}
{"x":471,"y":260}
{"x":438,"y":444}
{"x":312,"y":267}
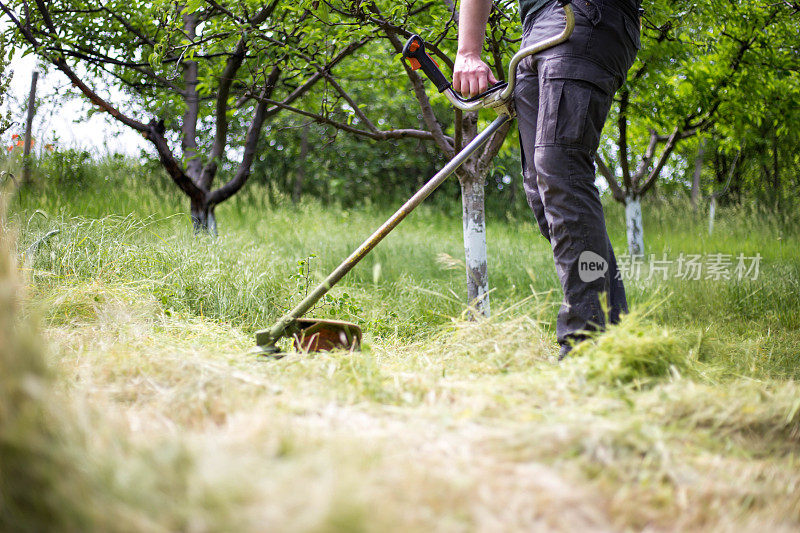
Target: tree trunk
{"x":474,"y":220}
{"x":698,"y":169}
{"x":194,"y":165}
{"x":26,"y":149}
{"x":203,"y":218}
{"x":633,"y":222}
{"x":712,"y":211}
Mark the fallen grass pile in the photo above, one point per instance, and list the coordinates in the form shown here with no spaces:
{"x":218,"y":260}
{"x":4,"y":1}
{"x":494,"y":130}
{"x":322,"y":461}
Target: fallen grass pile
{"x":638,"y":351}
{"x":765,"y":414}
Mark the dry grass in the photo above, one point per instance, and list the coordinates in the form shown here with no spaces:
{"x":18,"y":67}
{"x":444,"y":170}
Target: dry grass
{"x":477,"y":429}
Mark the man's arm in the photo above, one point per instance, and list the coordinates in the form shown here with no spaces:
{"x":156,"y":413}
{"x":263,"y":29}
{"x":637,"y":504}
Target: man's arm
{"x":471,"y":76}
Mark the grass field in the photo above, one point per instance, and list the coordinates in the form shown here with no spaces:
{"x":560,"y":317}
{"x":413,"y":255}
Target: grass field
{"x":127,"y":400}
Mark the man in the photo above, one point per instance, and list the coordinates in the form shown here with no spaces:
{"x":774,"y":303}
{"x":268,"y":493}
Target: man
{"x":563,"y":95}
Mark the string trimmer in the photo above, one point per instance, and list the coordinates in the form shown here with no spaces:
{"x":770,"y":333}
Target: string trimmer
{"x":312,"y":334}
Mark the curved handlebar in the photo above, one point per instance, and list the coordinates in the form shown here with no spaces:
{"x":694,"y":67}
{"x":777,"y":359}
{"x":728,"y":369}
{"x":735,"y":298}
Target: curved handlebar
{"x":497,"y":95}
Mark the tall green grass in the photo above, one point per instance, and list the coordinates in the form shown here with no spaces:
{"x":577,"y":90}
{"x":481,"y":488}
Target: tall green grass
{"x":117,"y":225}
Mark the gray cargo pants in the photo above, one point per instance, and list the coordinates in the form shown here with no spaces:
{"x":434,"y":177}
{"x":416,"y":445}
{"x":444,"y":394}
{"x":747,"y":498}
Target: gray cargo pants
{"x":563,"y":96}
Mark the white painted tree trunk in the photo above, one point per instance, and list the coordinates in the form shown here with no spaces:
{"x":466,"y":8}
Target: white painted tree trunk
{"x":633,"y":222}
{"x":472,"y":197}
{"x":712,"y":211}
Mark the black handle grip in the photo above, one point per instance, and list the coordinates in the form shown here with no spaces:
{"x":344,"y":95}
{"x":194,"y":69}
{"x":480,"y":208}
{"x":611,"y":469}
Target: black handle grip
{"x":414,"y":52}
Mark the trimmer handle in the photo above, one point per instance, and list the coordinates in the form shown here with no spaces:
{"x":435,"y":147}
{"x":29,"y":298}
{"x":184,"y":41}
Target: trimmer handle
{"x":499,"y":95}
{"x":414,"y":52}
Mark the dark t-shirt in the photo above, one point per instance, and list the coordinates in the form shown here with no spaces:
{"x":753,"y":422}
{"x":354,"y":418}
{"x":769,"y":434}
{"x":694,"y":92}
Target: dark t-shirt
{"x":530,"y":6}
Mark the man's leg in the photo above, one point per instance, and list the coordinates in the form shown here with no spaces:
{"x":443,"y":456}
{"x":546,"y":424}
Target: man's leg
{"x":617,"y":300}
{"x":563,"y":98}
{"x":528,"y":100}
{"x":527,"y":103}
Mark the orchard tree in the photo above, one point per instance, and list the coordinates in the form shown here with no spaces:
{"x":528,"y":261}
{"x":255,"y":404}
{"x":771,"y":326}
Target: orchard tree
{"x":703,"y":65}
{"x":202,"y":75}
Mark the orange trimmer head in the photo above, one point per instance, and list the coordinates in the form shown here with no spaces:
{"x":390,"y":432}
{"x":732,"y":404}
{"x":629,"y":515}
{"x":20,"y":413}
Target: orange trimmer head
{"x":319,"y":335}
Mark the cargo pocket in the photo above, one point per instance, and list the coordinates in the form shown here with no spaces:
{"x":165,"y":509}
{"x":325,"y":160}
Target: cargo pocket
{"x":572,"y":110}
{"x":577,"y":100}
{"x":599,"y":104}
{"x":549,"y":104}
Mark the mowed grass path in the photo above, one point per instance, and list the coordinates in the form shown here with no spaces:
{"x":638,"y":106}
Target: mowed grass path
{"x":686,"y":416}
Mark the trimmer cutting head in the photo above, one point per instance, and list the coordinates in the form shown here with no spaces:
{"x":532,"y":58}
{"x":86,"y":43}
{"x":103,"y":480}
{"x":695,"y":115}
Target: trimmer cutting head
{"x":315,"y":335}
{"x":319,"y":335}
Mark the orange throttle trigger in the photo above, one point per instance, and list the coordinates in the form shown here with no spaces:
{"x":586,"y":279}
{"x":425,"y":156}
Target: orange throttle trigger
{"x":412,"y":47}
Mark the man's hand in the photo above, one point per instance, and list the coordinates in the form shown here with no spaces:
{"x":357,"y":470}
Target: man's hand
{"x":471,"y":76}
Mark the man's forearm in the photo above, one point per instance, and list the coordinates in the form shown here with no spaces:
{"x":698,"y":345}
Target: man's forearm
{"x":471,"y":76}
{"x":472,"y":16}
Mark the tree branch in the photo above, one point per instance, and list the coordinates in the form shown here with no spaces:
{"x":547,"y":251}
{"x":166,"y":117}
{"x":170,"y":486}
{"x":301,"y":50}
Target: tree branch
{"x":616,"y":190}
{"x":221,"y":114}
{"x":670,"y":146}
{"x":644,"y":164}
{"x":155,"y":134}
{"x":251,"y":142}
{"x":128,"y":26}
{"x":232,"y":66}
{"x":76,"y":81}
{"x":683,"y":134}
{"x":378,"y":135}
{"x":352,"y":103}
{"x":48,"y":21}
{"x":730,"y":177}
{"x":264,"y":13}
{"x":102,"y":62}
{"x":428,"y":116}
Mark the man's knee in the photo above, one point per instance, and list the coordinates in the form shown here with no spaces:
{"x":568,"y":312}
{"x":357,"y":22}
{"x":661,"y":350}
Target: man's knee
{"x":564,"y":168}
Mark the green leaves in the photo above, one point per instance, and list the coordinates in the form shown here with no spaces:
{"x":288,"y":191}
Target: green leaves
{"x":193,"y":6}
{"x":322,"y":10}
{"x":723,"y":66}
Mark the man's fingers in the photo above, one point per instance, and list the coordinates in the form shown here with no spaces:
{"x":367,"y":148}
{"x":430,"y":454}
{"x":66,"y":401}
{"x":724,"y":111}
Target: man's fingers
{"x":464,"y":85}
{"x":483,"y":83}
{"x":474,"y":86}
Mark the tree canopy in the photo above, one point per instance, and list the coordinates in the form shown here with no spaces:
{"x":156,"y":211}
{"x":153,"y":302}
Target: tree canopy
{"x":212,"y":84}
